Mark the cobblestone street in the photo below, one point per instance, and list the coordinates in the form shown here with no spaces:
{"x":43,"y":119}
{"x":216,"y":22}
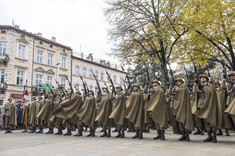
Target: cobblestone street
{"x":27,"y":144}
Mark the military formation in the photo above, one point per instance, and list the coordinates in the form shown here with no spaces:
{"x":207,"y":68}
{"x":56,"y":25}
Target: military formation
{"x":206,"y":107}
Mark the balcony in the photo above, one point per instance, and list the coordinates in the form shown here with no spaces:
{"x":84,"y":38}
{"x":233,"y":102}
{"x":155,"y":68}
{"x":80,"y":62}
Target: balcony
{"x":4,"y":58}
{"x":3,"y":87}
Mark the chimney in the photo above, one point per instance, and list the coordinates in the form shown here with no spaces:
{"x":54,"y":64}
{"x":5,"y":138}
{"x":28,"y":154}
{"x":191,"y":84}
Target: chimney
{"x":108,"y":64}
{"x":53,"y":38}
{"x":102,"y":62}
{"x":39,"y":34}
{"x":90,"y":57}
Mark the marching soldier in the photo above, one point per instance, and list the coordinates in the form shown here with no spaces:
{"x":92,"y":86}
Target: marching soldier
{"x":9,"y":116}
{"x":157,"y":110}
{"x":226,"y":120}
{"x":32,"y":115}
{"x":182,"y":110}
{"x":116,"y":115}
{"x":104,"y":111}
{"x":135,"y":111}
{"x":229,"y":86}
{"x":25,"y":116}
{"x":87,"y":114}
{"x":56,"y":120}
{"x":39,"y":122}
{"x":207,"y":107}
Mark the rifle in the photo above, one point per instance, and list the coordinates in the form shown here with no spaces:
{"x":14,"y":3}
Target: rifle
{"x":110,"y":80}
{"x":60,"y":87}
{"x":106,"y":85}
{"x":75,"y":88}
{"x":71,"y":88}
{"x":98,"y":85}
{"x":44,"y":92}
{"x":195,"y":70}
{"x":172,"y":75}
{"x":84,"y":86}
{"x":147,"y":72}
{"x":130,"y":85}
{"x":51,"y":90}
{"x":186,"y":73}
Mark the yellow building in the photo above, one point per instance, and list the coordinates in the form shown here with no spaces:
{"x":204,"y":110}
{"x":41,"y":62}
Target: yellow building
{"x":27,"y":57}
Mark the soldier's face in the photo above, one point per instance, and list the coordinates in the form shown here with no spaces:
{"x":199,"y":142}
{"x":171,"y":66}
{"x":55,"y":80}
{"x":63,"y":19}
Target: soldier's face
{"x":217,"y":85}
{"x":119,"y":89}
{"x":203,"y":79}
{"x":105,"y":90}
{"x":91,"y":93}
{"x":232,"y":77}
{"x":155,"y":84}
{"x":136,"y":88}
{"x":10,"y":101}
{"x":178,"y":83}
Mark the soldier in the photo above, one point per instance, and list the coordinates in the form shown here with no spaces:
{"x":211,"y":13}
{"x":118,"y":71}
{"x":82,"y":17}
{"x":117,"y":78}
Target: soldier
{"x":116,"y":115}
{"x":104,"y":111}
{"x":207,"y":107}
{"x":32,"y":115}
{"x":87,"y":114}
{"x":157,"y":110}
{"x":56,"y":120}
{"x":181,"y":107}
{"x":226,"y":120}
{"x":25,"y":116}
{"x":45,"y":113}
{"x":8,"y":115}
{"x":135,"y":111}
{"x":229,"y":86}
{"x":39,"y":122}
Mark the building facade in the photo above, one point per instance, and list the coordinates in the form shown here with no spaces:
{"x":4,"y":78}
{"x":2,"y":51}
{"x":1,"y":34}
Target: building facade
{"x":85,"y":66}
{"x":31,"y":60}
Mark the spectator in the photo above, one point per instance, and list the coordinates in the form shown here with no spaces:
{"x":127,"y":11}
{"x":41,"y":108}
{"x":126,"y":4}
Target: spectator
{"x":19,"y":116}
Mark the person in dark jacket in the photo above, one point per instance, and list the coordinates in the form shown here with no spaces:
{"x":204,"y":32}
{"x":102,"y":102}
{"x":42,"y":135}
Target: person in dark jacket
{"x":19,"y":116}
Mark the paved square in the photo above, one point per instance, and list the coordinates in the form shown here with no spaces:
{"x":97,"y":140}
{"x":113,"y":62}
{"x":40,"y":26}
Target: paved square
{"x":27,"y":144}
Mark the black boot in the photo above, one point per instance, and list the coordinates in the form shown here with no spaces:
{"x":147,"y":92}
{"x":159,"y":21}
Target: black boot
{"x":69,"y":132}
{"x":209,"y":138}
{"x":141,"y":135}
{"x":220,"y":132}
{"x":147,"y":130}
{"x":158,"y":135}
{"x":119,"y":134}
{"x":227,"y":132}
{"x":102,"y":130}
{"x":85,"y":129}
{"x":33,"y":130}
{"x":66,"y":134}
{"x":197,"y":132}
{"x":187,"y":136}
{"x":202,"y":133}
{"x":115,"y":130}
{"x":105,"y":133}
{"x":214,"y":139}
{"x":90,"y":134}
{"x":183,"y":137}
{"x":123,"y":134}
{"x":162,"y":135}
{"x":136,"y":135}
{"x":109,"y":133}
{"x":93,"y":132}
{"x":7,"y":130}
{"x":51,"y":130}
{"x":40,"y":130}
{"x":58,"y":132}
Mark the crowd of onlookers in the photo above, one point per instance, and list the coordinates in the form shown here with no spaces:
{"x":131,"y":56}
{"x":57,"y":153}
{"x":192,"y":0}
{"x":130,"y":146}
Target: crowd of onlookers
{"x":19,"y":113}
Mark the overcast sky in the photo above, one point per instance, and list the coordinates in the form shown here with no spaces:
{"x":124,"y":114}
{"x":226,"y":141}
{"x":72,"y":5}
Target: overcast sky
{"x":72,"y":22}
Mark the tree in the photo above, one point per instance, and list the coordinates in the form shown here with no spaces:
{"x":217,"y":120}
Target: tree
{"x":146,"y":31}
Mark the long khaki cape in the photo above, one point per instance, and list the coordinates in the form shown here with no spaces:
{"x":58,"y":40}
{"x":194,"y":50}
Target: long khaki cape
{"x":135,"y":111}
{"x":210,"y":111}
{"x":87,"y":113}
{"x":46,"y":110}
{"x":32,"y":114}
{"x":156,"y":107}
{"x":184,"y":111}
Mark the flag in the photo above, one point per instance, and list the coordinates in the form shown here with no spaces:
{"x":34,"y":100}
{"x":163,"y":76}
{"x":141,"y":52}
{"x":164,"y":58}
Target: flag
{"x":25,"y":94}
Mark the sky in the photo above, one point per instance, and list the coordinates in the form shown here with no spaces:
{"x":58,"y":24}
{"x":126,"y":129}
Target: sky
{"x":80,"y":24}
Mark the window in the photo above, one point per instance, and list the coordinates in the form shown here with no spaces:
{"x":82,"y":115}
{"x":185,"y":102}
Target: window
{"x":121,"y":80}
{"x":50,"y":59}
{"x":90,"y":73}
{"x":49,"y":80}
{"x":39,"y":56}
{"x":84,"y":72}
{"x":63,"y":63}
{"x":77,"y":70}
{"x":115,"y":79}
{"x":3,"y":48}
{"x":38,"y":79}
{"x":21,"y":52}
{"x":20,"y":77}
{"x":62,"y":82}
{"x":2,"y":75}
{"x":97,"y":74}
{"x":102,"y":76}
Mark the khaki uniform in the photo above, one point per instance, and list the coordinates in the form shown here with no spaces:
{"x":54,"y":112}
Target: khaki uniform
{"x":9,"y":116}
